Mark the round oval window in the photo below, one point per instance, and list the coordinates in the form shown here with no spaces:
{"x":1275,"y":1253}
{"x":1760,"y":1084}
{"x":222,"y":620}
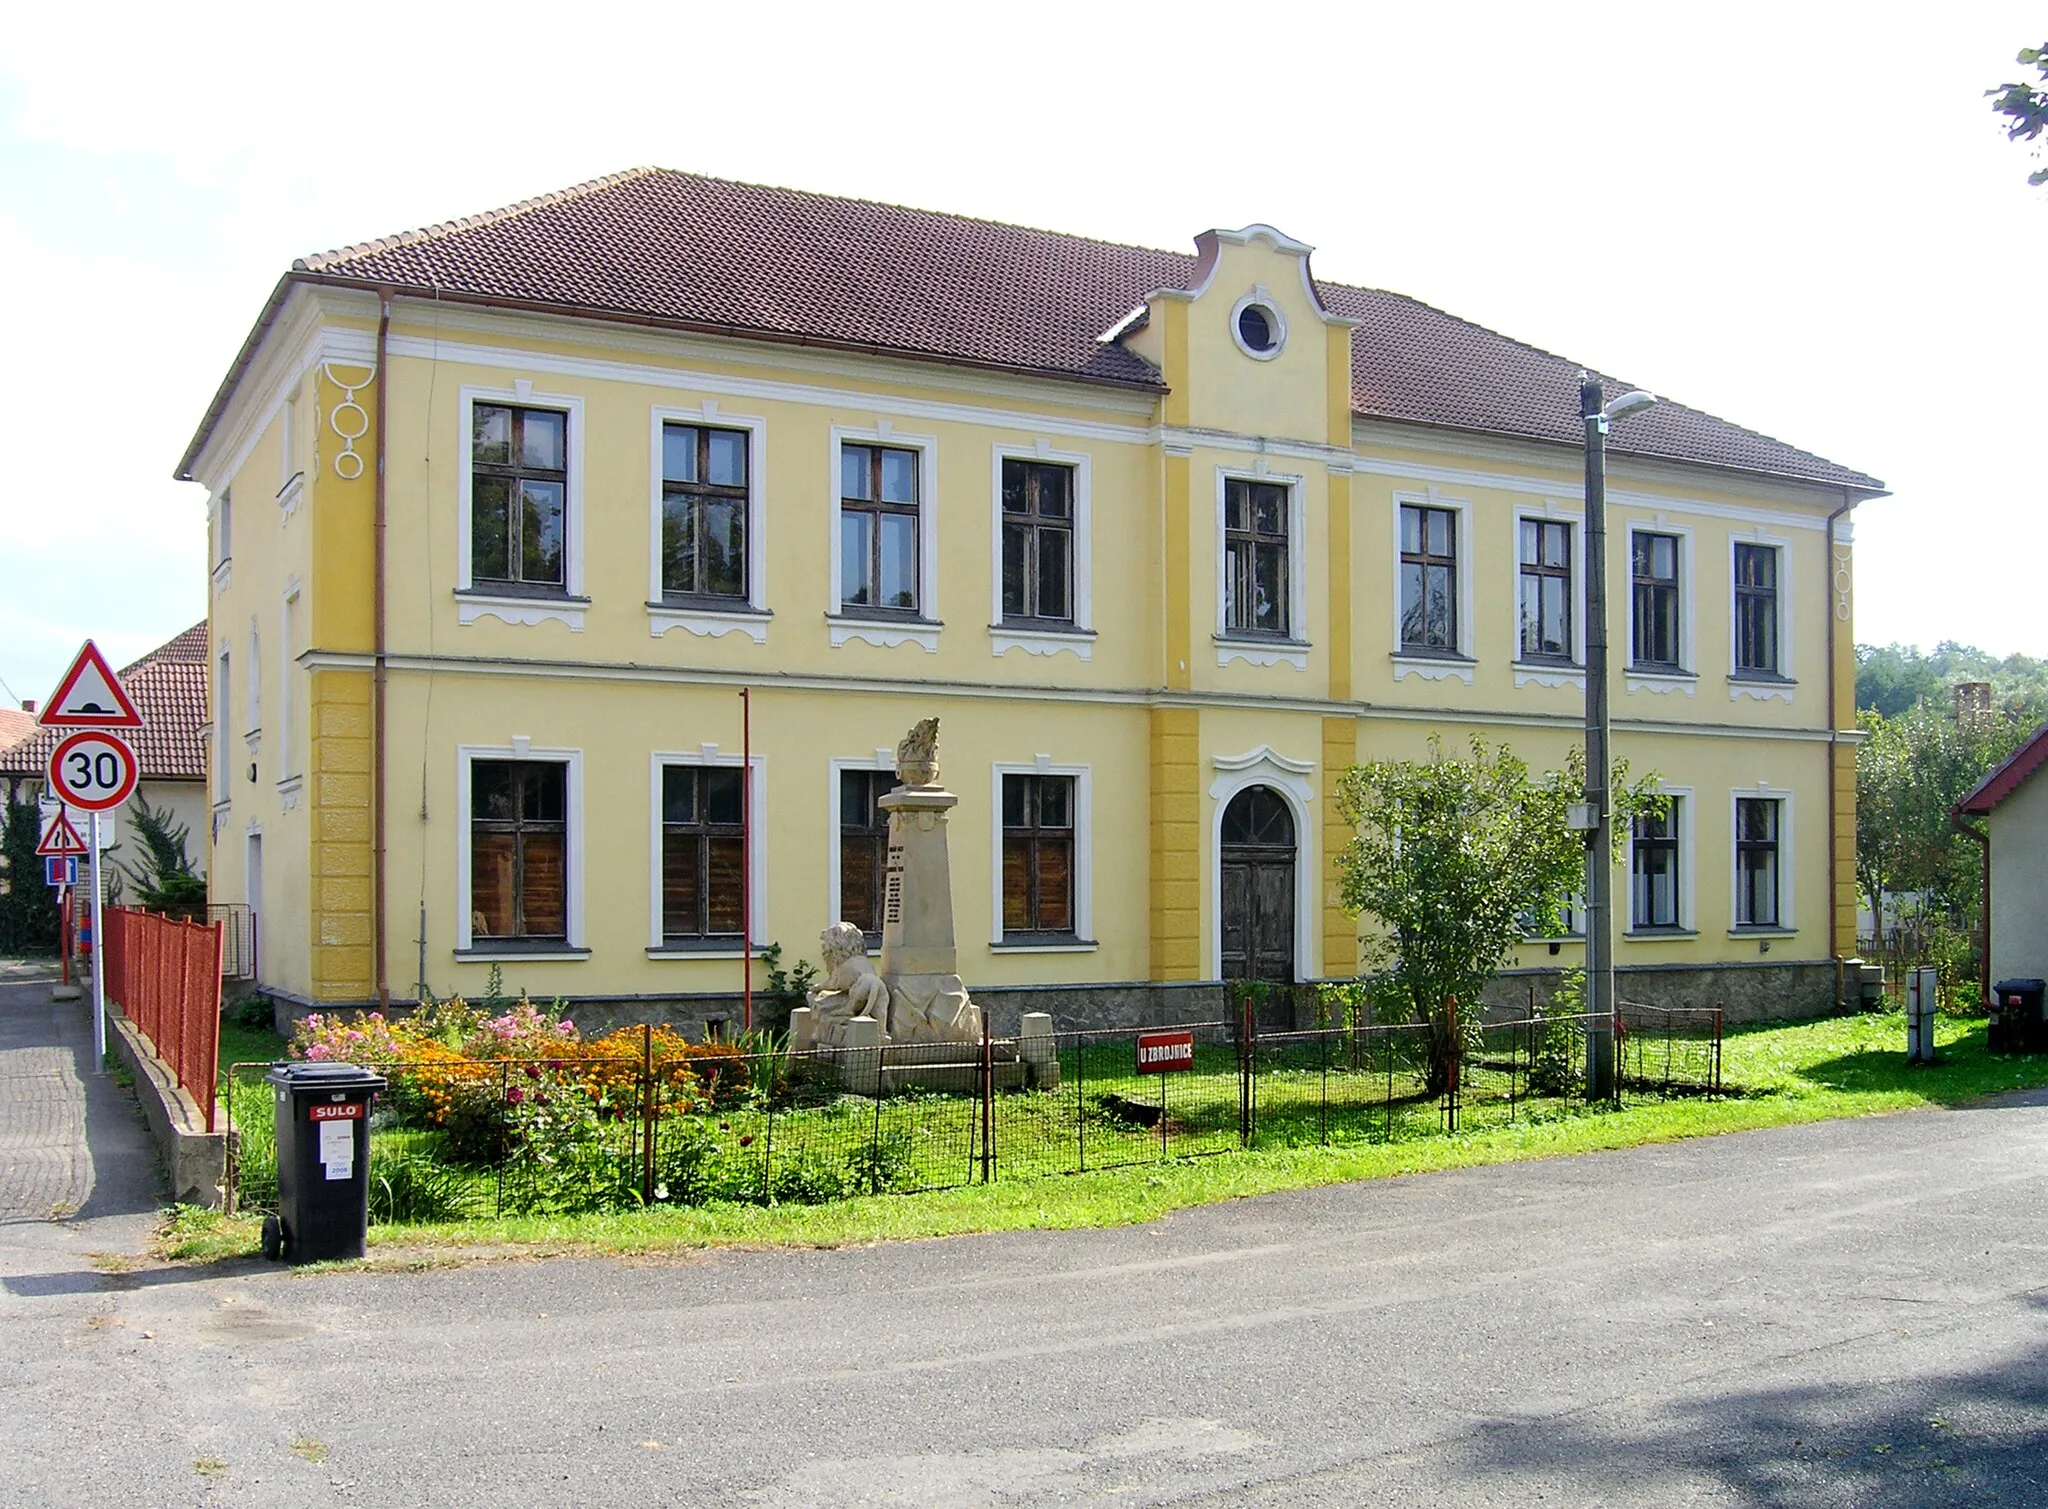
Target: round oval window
{"x":1255,"y":328}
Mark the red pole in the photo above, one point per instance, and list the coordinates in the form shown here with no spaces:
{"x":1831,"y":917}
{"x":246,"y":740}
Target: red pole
{"x":747,"y":859}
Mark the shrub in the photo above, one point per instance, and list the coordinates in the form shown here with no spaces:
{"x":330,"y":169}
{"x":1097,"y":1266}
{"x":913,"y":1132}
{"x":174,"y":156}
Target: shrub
{"x":413,"y":1190}
{"x":1555,"y":1066}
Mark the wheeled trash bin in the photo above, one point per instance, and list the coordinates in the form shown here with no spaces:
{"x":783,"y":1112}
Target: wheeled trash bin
{"x":2017,"y":1025}
{"x":323,"y":1161}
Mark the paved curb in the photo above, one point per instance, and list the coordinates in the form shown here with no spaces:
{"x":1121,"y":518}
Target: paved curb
{"x":195,"y":1160}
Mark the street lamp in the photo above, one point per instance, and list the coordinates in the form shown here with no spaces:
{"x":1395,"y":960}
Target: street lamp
{"x":1600,"y":1001}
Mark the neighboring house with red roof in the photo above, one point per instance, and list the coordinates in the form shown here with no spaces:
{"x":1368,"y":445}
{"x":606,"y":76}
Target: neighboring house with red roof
{"x":168,"y":686}
{"x":2013,"y":801}
{"x":1167,"y":539}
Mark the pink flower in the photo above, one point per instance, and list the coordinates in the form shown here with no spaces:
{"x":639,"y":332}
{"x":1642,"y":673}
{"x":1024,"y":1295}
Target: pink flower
{"x":515,"y":1094}
{"x":565,"y":1025}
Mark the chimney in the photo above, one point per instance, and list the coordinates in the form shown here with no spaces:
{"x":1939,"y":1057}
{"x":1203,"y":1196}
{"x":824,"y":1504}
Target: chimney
{"x":1972,"y":701}
{"x":28,"y":704}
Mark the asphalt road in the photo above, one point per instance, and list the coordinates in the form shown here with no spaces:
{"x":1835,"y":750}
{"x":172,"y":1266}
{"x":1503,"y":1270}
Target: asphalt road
{"x":1843,"y":1314}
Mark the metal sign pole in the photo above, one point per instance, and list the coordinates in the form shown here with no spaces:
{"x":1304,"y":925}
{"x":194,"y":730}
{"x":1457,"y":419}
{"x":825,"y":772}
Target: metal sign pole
{"x":99,"y":960}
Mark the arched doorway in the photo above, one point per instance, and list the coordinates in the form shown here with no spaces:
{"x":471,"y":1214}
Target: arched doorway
{"x":1258,"y":887}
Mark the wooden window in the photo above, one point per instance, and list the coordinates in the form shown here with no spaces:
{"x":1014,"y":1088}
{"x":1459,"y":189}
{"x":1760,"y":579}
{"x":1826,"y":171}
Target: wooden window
{"x":518,"y":491}
{"x":702,"y":865}
{"x":1255,"y":583}
{"x":863,"y":847}
{"x":1429,"y":578}
{"x":1756,"y":609}
{"x":1038,"y":541}
{"x":1038,"y":854}
{"x":518,"y":849}
{"x":1546,"y":590}
{"x":878,"y":525}
{"x":703,"y":512}
{"x":1653,"y":870}
{"x":1653,"y":572}
{"x":1756,"y":861}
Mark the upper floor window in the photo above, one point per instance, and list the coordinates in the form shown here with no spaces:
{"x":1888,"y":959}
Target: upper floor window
{"x":702,"y":868}
{"x":1756,"y":609}
{"x":519,"y":460}
{"x":1429,"y":578}
{"x":878,"y":524}
{"x":1038,"y":540}
{"x":1038,"y":854}
{"x":1255,"y":533}
{"x":1756,"y":861}
{"x":224,"y":527}
{"x":704,"y":507}
{"x":1653,"y":869}
{"x":863,"y":846}
{"x":1653,"y":574}
{"x":1546,"y":589}
{"x":519,"y":849}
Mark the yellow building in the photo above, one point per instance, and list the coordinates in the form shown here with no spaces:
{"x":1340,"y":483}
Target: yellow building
{"x":507,"y":512}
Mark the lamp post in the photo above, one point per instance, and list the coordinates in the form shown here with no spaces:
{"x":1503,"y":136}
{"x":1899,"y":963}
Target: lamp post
{"x":1600,"y":1000}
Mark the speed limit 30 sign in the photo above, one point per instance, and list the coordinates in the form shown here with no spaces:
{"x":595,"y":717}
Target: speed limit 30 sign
{"x":93,"y":770}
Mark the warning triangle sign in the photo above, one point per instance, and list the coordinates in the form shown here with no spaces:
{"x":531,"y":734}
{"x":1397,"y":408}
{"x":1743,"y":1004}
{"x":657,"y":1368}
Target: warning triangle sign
{"x":90,"y":696}
{"x":60,"y":838}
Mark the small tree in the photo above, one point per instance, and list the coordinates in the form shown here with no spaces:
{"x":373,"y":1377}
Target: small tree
{"x":28,"y":908}
{"x":2025,"y":105}
{"x":164,"y":881}
{"x":1459,"y":861}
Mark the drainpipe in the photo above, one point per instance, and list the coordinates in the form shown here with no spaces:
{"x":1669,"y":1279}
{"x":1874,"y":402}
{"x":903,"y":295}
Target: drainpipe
{"x":377,"y":675}
{"x":1834,"y":740}
{"x":1983,"y":838}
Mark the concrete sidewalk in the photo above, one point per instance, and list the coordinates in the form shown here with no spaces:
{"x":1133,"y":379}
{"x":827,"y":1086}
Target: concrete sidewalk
{"x":78,"y":1173}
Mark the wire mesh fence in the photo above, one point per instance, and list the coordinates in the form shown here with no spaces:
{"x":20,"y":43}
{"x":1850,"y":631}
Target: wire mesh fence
{"x":600,"y":1129}
{"x":1670,"y":1048}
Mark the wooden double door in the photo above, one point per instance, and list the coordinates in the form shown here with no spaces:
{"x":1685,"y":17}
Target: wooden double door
{"x":1258,"y":861}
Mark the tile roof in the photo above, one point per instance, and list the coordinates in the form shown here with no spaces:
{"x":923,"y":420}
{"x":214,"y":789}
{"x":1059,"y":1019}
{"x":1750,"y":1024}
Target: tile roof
{"x":15,"y":725}
{"x":169,"y":688}
{"x":675,"y":249}
{"x":2010,"y":775}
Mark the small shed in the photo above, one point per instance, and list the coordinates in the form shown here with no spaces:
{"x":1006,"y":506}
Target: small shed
{"x":2013,"y":803}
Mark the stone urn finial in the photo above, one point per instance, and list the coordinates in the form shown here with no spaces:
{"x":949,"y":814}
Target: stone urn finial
{"x":917,"y":757}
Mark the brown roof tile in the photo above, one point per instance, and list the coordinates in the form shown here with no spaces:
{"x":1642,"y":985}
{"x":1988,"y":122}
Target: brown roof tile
{"x":680,"y":249}
{"x":168,"y":686}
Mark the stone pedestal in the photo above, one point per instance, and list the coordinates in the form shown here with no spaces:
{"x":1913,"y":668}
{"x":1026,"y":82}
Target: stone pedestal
{"x":920,"y":963}
{"x":1038,"y":1050}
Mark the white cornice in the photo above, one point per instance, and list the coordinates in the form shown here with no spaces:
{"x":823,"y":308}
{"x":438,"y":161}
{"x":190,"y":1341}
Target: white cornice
{"x":327,"y":660}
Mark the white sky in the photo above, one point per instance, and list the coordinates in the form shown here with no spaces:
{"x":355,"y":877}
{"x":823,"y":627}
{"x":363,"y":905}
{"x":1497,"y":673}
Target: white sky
{"x":1801,"y":217}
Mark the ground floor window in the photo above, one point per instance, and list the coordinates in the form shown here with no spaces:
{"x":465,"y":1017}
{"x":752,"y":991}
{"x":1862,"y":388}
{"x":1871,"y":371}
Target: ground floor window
{"x":1756,"y":861}
{"x":702,"y":853}
{"x":1038,"y":855}
{"x":1653,"y":869}
{"x":518,"y":847}
{"x":863,"y":847}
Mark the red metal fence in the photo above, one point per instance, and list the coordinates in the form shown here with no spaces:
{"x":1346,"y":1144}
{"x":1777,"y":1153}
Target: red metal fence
{"x":166,"y":976}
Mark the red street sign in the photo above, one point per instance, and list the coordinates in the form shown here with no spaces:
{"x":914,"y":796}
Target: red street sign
{"x":348,"y":1111}
{"x":1165,"y":1052}
{"x":89,"y":696}
{"x":60,"y":838}
{"x":93,"y":770}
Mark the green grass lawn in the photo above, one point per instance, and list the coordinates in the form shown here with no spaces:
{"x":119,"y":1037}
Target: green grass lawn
{"x":1778,"y":1075}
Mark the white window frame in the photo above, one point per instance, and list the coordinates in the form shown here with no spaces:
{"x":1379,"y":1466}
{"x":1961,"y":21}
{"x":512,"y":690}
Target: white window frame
{"x":1084,"y":940}
{"x":752,"y":619}
{"x":1434,"y":665}
{"x":1294,"y":781}
{"x":709,"y":755}
{"x":1262,"y":649}
{"x":473,"y":603}
{"x":1686,"y":677}
{"x":254,"y":681}
{"x":1079,"y":636}
{"x":882,"y":630}
{"x":882,"y":759}
{"x":1546,"y":673}
{"x":1788,"y":920}
{"x":287,"y":751}
{"x":1688,"y":891}
{"x":1763,"y":685}
{"x":223,"y":708}
{"x":576,"y":944}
